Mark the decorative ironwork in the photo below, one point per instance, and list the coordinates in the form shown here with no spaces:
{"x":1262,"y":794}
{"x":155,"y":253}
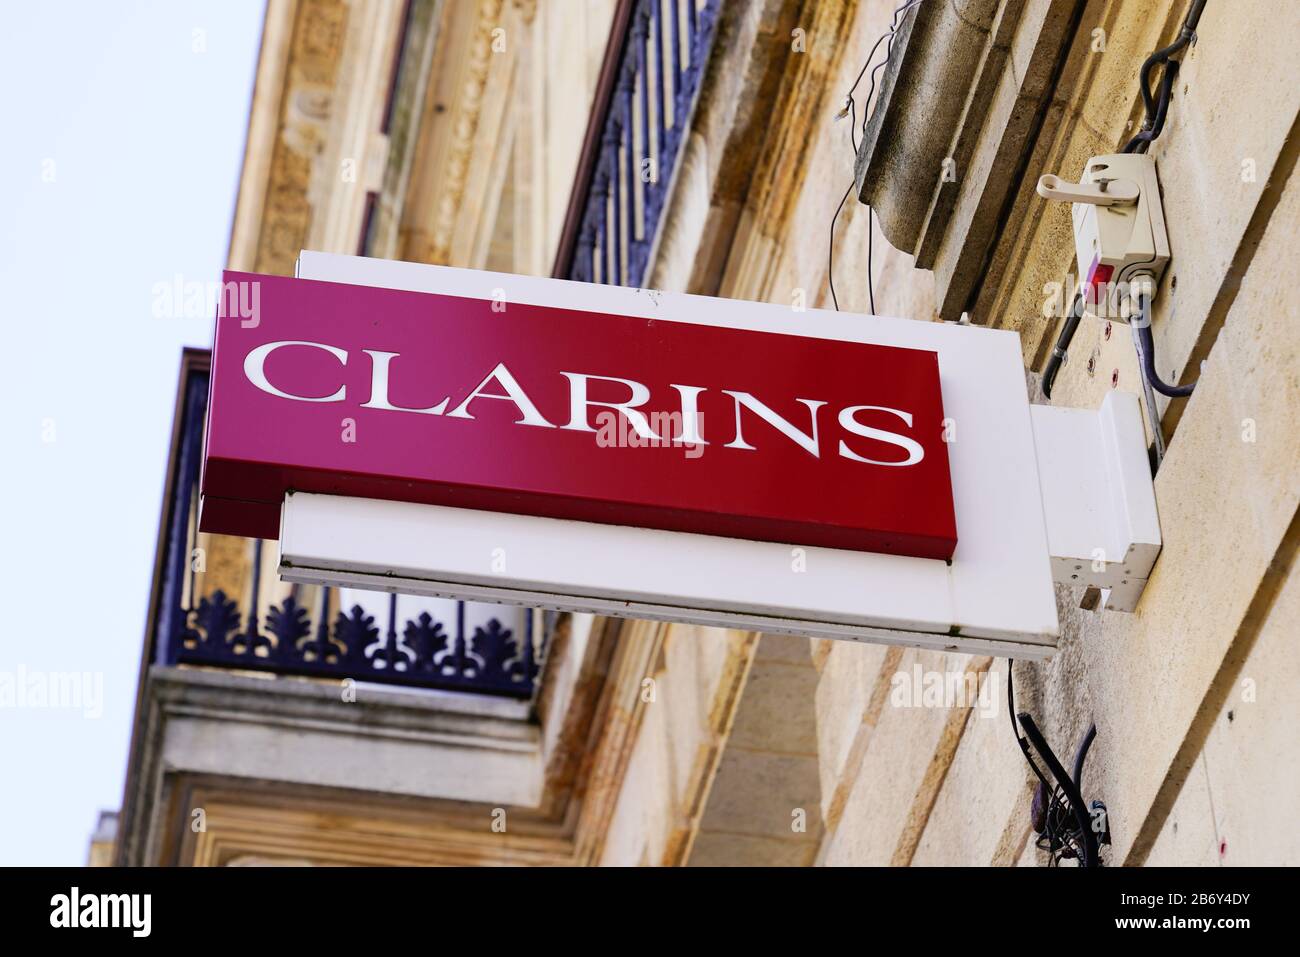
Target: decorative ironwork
{"x":646,"y":114}
{"x":289,"y":639}
{"x":491,"y":660}
{"x":212,"y":622}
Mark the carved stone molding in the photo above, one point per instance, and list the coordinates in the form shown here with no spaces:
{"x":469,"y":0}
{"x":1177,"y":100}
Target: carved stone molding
{"x":304,"y":104}
{"x":527,"y":9}
{"x":463,"y":130}
{"x":957,"y":117}
{"x":787,"y":153}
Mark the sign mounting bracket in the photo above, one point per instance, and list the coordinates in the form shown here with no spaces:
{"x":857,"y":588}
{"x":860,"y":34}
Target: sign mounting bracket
{"x":1098,"y":497}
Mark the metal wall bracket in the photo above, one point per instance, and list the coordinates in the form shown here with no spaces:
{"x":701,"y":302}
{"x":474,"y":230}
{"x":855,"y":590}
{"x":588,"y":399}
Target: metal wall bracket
{"x":1098,"y":497}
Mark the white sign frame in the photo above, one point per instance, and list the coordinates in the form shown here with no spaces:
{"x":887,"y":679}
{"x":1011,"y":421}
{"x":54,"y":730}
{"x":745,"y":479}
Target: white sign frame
{"x":995,"y":596}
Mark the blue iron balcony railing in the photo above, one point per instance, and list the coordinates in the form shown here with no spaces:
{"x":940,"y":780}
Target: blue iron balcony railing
{"x":320,"y":631}
{"x":643,"y":104}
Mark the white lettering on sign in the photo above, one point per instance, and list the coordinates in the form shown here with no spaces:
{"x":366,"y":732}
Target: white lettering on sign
{"x":580,"y":404}
{"x":255,"y":369}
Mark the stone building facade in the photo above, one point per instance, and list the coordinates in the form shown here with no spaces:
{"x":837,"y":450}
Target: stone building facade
{"x":465,"y":132}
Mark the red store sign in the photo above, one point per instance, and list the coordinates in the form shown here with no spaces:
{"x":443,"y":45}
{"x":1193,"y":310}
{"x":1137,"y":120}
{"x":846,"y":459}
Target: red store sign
{"x":486,"y":404}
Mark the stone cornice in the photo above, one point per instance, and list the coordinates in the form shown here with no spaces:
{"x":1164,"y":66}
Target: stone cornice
{"x":784,"y":160}
{"x":268,"y":818}
{"x":451,"y":201}
{"x":463,"y":130}
{"x":289,"y":119}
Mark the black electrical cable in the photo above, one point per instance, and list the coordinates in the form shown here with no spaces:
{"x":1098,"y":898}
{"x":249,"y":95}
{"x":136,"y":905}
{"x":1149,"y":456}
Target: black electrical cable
{"x":1154,"y":121}
{"x":830,"y":251}
{"x":1148,"y":351}
{"x":893,"y":25}
{"x":830,"y":246}
{"x":1015,"y":728}
{"x":1065,"y":797}
{"x":1052,"y":801}
{"x":1082,"y":754}
{"x":1062,"y":344}
{"x":1020,"y":740}
{"x":850,"y":107}
{"x":1142,"y":141}
{"x":1089,"y":856}
{"x":1156,"y":108}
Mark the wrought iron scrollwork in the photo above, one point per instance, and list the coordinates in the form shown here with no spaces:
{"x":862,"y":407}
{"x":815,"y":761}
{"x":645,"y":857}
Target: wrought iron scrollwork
{"x":290,"y":639}
{"x":493,"y":659}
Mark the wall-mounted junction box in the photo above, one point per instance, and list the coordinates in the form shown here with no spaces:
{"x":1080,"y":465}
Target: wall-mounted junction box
{"x":1119,"y":226}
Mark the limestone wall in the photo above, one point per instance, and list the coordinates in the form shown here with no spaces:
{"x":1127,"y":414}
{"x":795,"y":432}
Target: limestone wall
{"x":1194,"y":694}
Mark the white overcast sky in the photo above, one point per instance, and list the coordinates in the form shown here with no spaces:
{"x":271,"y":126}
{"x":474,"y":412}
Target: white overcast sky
{"x":143,"y":136}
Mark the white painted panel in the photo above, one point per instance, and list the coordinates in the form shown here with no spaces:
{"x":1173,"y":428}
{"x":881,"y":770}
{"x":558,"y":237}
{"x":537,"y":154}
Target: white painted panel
{"x":618,"y":570}
{"x":1098,"y":497}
